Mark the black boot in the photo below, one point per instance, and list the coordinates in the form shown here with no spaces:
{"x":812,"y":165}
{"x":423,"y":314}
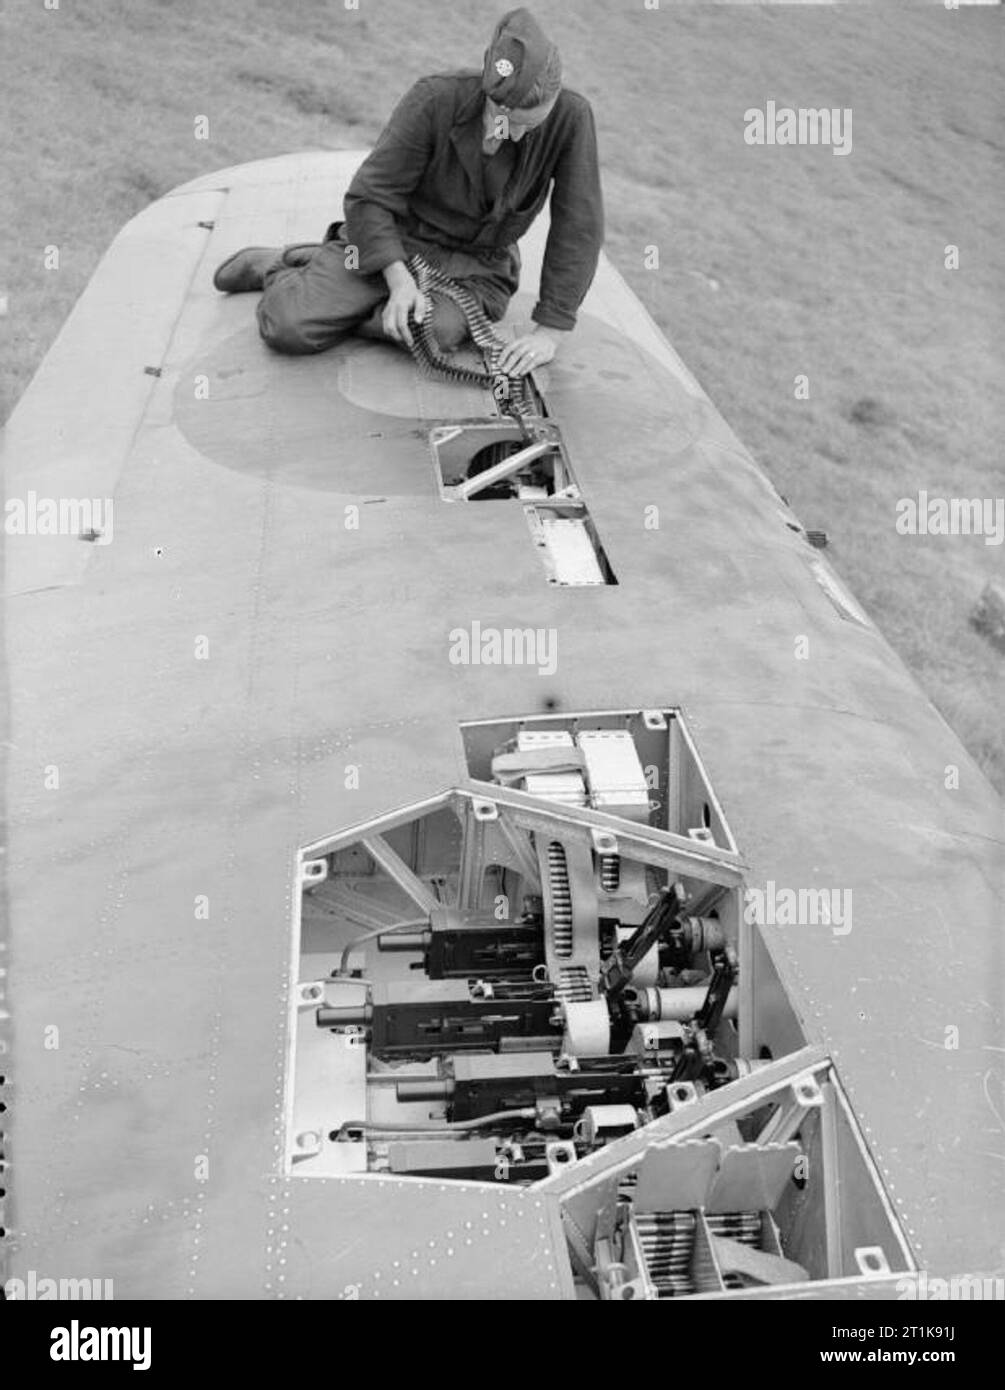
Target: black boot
{"x":245,"y":269}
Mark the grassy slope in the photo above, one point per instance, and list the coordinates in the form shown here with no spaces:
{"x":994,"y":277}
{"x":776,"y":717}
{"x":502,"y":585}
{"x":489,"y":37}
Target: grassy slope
{"x":826,"y":266}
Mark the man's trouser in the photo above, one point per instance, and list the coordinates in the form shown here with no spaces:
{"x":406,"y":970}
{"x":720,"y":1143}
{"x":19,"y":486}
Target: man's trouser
{"x":312,"y":306}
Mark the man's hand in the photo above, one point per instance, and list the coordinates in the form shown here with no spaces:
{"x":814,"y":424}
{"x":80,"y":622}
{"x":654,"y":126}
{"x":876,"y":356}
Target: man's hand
{"x":405,"y":298}
{"x":530,"y":351}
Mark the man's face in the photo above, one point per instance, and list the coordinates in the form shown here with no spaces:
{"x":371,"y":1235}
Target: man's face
{"x":505,"y":123}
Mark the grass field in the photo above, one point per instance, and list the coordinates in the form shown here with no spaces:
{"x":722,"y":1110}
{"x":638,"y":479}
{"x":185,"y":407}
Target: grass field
{"x":773,"y":262}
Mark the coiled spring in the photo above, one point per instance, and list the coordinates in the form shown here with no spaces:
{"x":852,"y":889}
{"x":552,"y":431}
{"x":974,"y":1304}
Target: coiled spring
{"x":610,"y":872}
{"x":561,"y":900}
{"x":573,"y":985}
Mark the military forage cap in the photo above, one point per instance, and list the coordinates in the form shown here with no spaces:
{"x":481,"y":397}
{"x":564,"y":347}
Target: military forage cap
{"x":518,"y":56}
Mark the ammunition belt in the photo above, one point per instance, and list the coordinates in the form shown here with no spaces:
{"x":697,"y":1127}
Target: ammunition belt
{"x":509,"y":391}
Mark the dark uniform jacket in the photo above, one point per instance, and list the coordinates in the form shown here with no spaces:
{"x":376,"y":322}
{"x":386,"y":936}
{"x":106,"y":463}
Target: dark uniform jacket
{"x":425,"y":179}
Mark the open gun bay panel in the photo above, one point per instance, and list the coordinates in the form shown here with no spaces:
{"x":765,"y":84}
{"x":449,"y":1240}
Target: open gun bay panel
{"x":538,"y":974}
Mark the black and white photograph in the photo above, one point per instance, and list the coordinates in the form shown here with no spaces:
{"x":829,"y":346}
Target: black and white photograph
{"x":504,"y":670}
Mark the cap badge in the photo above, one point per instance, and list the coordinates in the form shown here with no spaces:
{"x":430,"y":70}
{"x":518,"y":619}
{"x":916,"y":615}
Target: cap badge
{"x":504,"y":67}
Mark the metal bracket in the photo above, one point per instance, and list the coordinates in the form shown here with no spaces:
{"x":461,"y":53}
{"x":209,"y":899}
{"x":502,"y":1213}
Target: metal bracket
{"x":604,"y":842}
{"x":313,"y":872}
{"x":680,"y":1094}
{"x":560,"y":1155}
{"x":804,"y":1095}
{"x":310,"y":994}
{"x":872,"y":1262}
{"x":307,"y":1144}
{"x":392,"y":863}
